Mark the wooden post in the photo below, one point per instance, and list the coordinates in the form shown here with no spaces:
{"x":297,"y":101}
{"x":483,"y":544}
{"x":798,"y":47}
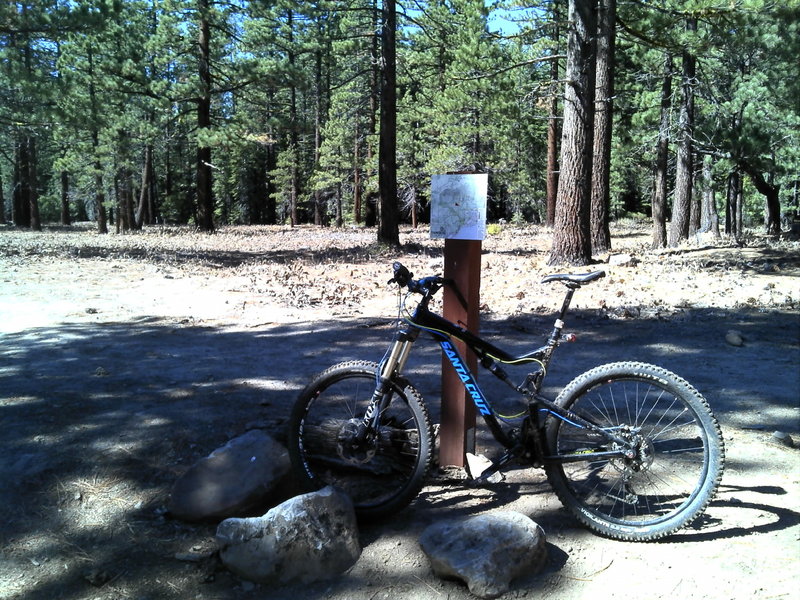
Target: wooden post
{"x":462,"y":264}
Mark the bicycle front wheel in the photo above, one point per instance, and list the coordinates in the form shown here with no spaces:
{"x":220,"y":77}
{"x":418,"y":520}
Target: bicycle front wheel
{"x":382,"y":473}
{"x":678,"y":451}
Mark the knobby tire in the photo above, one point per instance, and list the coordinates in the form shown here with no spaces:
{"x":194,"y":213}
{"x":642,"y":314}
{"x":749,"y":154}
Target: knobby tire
{"x":679,"y":459}
{"x":381,"y":477}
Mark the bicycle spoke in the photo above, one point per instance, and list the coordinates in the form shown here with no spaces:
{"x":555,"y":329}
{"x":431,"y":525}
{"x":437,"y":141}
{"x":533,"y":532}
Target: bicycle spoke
{"x":667,"y":456}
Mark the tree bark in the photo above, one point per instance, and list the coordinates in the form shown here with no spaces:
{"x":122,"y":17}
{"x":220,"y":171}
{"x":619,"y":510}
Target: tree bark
{"x":33,"y":184}
{"x":552,"y":126}
{"x":571,"y":236}
{"x":205,"y":197}
{"x":681,"y":208}
{"x":659,"y":200}
{"x":21,"y":205}
{"x":270,"y":208}
{"x":294,"y":138}
{"x":2,"y":203}
{"x":695,"y":206}
{"x":731,"y":201}
{"x":65,"y":217}
{"x":709,"y":217}
{"x":370,"y":199}
{"x":603,"y":117}
{"x":318,"y":208}
{"x":143,"y":209}
{"x":100,"y":200}
{"x":388,"y":232}
{"x":18,"y":204}
{"x":356,"y":176}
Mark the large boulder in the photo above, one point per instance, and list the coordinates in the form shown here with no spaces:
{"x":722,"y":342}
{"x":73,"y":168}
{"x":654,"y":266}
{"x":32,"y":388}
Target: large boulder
{"x":307,"y":538}
{"x":234,"y":480}
{"x":486,"y":551}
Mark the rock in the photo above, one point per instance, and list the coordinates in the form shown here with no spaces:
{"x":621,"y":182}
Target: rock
{"x":305,"y":539}
{"x":486,"y":551}
{"x":734,"y":338}
{"x":231,"y":481}
{"x":782,"y":438}
{"x":622,"y":260}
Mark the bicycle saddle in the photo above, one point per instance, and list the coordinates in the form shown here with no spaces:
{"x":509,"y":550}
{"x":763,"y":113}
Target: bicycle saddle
{"x":579,"y":279}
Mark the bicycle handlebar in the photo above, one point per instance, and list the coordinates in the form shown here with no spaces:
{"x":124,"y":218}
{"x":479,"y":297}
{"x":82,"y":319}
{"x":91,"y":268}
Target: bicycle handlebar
{"x":427,"y":285}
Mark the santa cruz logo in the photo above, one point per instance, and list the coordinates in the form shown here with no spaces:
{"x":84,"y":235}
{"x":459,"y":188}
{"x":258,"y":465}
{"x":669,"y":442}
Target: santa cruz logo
{"x":466,"y":377}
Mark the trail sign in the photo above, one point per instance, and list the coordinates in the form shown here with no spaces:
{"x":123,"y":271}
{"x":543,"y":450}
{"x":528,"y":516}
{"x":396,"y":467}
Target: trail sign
{"x":458,"y":206}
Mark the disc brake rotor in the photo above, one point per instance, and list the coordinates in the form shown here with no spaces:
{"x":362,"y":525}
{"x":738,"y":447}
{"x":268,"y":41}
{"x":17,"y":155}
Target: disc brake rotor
{"x":351,"y":450}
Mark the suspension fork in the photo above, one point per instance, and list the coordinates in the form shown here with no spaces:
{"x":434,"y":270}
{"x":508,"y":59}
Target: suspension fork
{"x":390,"y":368}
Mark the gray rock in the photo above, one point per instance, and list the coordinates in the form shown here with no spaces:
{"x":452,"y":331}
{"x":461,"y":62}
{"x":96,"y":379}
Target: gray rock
{"x":305,"y":539}
{"x":782,"y":438}
{"x":485,"y":551}
{"x":734,"y":338}
{"x":231,"y":481}
{"x":623,"y":260}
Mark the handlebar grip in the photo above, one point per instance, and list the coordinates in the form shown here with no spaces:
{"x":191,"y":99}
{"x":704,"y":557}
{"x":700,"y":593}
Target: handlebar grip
{"x":401,"y":275}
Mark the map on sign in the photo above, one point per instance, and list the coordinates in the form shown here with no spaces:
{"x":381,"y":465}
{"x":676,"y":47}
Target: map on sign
{"x":458,"y":206}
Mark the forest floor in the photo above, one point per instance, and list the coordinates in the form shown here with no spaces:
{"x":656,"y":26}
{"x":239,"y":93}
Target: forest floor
{"x":125,"y":358}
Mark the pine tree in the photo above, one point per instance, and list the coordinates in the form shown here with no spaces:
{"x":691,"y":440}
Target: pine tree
{"x":571,"y":238}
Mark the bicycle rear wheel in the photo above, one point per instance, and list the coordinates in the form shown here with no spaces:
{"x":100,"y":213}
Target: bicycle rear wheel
{"x":384,"y":473}
{"x":679,"y":452}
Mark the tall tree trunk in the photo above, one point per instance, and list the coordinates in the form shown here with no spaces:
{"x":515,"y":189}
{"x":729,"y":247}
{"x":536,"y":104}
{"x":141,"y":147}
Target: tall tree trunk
{"x":710,"y":216}
{"x":143,"y":214}
{"x":100,"y":200}
{"x":33,"y":184}
{"x":659,"y":200}
{"x":388,"y":231}
{"x":294,"y":138}
{"x":129,"y":204}
{"x":318,"y":216}
{"x":65,"y":217}
{"x":270,"y":208}
{"x":731,"y":201}
{"x":21,"y":205}
{"x":740,"y":204}
{"x":99,"y":192}
{"x":370,"y":206}
{"x":2,"y":202}
{"x":681,"y":207}
{"x":552,"y":124}
{"x":603,"y":106}
{"x":571,"y":236}
{"x":339,"y":211}
{"x":695,"y":205}
{"x":205,"y":196}
{"x":356,"y":175}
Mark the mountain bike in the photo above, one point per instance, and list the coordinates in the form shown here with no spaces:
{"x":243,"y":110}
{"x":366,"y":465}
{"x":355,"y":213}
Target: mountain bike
{"x":631,"y":450}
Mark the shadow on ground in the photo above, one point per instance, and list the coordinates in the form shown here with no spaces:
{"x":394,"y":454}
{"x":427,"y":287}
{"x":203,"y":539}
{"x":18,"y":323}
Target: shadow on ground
{"x":99,"y":419}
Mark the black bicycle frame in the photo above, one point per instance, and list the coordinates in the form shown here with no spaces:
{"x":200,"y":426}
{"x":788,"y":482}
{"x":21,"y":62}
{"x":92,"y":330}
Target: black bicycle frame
{"x":489,"y":355}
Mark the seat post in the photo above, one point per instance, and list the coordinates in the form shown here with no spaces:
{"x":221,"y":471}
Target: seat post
{"x":567,"y":301}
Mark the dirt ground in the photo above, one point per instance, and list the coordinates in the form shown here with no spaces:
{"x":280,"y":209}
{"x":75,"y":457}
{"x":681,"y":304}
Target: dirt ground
{"x":125,"y":358}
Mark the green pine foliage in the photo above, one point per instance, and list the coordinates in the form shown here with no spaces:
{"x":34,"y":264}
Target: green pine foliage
{"x":106,"y":94}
